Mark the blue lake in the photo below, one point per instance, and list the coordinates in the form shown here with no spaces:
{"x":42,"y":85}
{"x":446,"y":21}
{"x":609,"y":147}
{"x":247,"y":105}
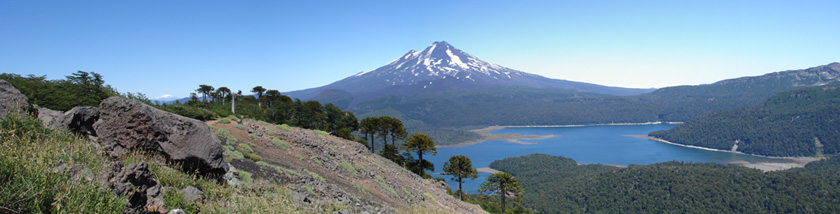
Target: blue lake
{"x":586,"y":144}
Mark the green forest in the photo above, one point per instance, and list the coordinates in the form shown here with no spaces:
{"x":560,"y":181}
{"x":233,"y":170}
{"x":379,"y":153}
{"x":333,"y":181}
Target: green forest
{"x":445,"y":115}
{"x":802,"y":122}
{"x":559,"y":185}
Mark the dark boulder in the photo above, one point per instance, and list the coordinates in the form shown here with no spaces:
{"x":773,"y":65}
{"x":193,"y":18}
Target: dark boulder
{"x":51,"y":118}
{"x":80,"y":119}
{"x":126,"y":125}
{"x":136,"y":182}
{"x":12,"y":102}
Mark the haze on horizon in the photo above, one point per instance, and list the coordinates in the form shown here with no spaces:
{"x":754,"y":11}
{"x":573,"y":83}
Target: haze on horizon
{"x":163,"y":47}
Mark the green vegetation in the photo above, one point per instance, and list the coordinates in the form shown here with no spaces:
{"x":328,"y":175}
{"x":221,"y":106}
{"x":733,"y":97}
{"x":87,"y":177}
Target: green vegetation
{"x":356,"y":185}
{"x":245,"y":176}
{"x":315,"y":175}
{"x":385,"y":186}
{"x":429,"y":196}
{"x":407,"y":193}
{"x":795,"y":123}
{"x":244,"y":148}
{"x":253,"y":157}
{"x":308,"y":189}
{"x":227,"y":136}
{"x":78,"y":89}
{"x":278,"y":168}
{"x":383,"y":126}
{"x":442,"y":115}
{"x":314,"y":159}
{"x":502,"y":185}
{"x":30,"y":184}
{"x":459,"y":167}
{"x":349,"y":168}
{"x":279,"y":143}
{"x":359,"y":166}
{"x":557,"y":184}
{"x":284,"y":127}
{"x":422,"y":144}
{"x":27,"y":178}
{"x":224,"y":121}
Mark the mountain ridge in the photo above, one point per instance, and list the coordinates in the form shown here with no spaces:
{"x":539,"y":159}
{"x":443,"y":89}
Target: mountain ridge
{"x":439,"y":68}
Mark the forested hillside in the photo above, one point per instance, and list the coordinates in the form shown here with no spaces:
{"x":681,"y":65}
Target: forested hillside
{"x":797,"y":123}
{"x":447,"y":112}
{"x":558,"y":185}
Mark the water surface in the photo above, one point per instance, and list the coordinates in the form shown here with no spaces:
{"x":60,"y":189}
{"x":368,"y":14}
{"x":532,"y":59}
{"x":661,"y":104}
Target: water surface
{"x":586,"y":144}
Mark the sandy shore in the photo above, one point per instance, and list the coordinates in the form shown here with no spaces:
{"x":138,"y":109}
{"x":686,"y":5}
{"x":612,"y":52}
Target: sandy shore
{"x":487,"y":136}
{"x":487,"y":170}
{"x":782,"y":163}
{"x":601,"y":124}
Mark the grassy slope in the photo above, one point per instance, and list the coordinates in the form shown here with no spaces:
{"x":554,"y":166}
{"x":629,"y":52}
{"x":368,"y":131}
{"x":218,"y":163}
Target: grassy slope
{"x":329,"y":169}
{"x":28,"y":154}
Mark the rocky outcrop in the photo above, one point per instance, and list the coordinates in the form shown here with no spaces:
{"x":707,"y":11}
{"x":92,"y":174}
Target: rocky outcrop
{"x":80,"y":119}
{"x":12,"y":102}
{"x":51,"y":118}
{"x":126,"y":125}
{"x":193,"y":194}
{"x":135,"y":181}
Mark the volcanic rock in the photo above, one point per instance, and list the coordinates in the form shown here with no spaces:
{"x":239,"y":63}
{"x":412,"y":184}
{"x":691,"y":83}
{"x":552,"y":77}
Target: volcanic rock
{"x":126,"y":125}
{"x":12,"y":102}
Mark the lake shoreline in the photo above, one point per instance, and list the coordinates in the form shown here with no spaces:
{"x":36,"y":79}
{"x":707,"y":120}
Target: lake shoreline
{"x":794,"y":162}
{"x":486,"y":134}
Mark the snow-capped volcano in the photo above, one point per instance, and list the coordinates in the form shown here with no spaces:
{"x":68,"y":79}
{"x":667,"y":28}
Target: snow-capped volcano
{"x":441,"y":68}
{"x":440,"y":62}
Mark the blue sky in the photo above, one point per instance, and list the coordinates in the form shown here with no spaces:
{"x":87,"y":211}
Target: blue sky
{"x":170,"y":47}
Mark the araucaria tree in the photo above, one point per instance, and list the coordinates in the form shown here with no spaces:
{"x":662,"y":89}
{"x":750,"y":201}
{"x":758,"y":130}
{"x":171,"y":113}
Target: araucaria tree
{"x":420,"y":143}
{"x":258,"y":90}
{"x":204,"y":90}
{"x":504,"y":185}
{"x":459,"y":167}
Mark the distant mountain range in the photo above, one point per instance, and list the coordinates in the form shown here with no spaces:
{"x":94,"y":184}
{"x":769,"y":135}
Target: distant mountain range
{"x":440,"y":68}
{"x":440,"y":90}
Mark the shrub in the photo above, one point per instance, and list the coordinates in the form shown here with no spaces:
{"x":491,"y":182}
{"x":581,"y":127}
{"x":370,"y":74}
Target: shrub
{"x":225,"y":134}
{"x":224,"y":121}
{"x":253,"y":157}
{"x":237,"y":155}
{"x":284,"y":127}
{"x":279,"y":143}
{"x":244,"y":148}
{"x":349,"y":168}
{"x":240,"y":127}
{"x":245,"y":176}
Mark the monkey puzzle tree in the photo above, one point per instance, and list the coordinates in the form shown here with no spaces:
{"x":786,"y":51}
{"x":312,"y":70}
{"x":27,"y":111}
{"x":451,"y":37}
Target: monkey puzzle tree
{"x":204,"y":90}
{"x":223,"y":92}
{"x":420,"y":143}
{"x":459,"y":167}
{"x":502,"y":184}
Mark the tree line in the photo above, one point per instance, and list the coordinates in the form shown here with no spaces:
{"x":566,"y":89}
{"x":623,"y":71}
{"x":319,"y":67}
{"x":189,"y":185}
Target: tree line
{"x":560,"y":185}
{"x":795,"y":123}
{"x":89,"y":89}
